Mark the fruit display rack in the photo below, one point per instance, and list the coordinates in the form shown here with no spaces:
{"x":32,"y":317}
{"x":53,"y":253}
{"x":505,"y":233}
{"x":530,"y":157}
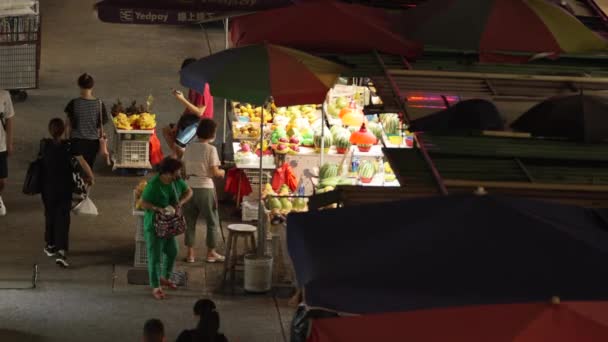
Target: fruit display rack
{"x":130,"y":149}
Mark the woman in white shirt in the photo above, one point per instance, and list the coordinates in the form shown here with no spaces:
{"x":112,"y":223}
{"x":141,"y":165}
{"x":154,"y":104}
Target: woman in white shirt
{"x":202,"y":164}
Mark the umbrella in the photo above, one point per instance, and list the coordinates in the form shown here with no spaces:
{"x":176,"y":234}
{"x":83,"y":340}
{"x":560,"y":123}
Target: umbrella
{"x":473,"y":114}
{"x":447,"y":251}
{"x":256,"y":72}
{"x":493,"y":27}
{"x":324,"y":26}
{"x":578,"y":117}
{"x":522,"y":322}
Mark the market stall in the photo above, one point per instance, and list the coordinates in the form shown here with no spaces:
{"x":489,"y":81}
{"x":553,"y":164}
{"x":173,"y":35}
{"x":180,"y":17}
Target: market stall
{"x":342,"y":147}
{"x":134,"y":129}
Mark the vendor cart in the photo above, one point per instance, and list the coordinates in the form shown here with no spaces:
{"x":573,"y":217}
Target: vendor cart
{"x":130,"y":149}
{"x":19,"y":47}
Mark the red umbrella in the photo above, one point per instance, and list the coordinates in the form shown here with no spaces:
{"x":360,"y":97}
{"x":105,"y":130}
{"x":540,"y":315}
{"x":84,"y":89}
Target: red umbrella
{"x":324,"y":26}
{"x":529,"y":322}
{"x":501,"y":30}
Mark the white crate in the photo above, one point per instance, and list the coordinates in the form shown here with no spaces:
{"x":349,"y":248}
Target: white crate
{"x":141,"y":254}
{"x":139,"y":229}
{"x":249,"y":211}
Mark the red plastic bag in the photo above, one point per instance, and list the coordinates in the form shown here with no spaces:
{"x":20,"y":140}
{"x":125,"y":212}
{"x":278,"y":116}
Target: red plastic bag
{"x":156,"y":152}
{"x":284,"y":175}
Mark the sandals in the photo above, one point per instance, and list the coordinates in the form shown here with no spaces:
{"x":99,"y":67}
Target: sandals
{"x":189,"y":260}
{"x":216,"y":258}
{"x":158,"y":294}
{"x":168,"y":283}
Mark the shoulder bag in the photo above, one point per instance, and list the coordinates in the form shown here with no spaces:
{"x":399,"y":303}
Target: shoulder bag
{"x":33,"y":177}
{"x":170,"y":225}
{"x":103,"y":140}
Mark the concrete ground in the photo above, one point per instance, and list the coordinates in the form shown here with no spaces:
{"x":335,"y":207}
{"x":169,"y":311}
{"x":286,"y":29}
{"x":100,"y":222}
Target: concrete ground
{"x":92,"y":301}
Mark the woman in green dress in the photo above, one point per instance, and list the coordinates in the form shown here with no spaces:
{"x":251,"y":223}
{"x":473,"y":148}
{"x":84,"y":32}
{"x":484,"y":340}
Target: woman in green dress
{"x":164,"y":192}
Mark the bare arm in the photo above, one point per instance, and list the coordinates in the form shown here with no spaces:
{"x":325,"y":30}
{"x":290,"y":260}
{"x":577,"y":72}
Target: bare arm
{"x":87,"y":169}
{"x":9,"y":135}
{"x":186,"y":196}
{"x":189,"y":106}
{"x":217,"y":172}
{"x":68,"y":128}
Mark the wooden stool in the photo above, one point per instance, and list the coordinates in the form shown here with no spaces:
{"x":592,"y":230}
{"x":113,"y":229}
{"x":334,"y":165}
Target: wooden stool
{"x":245,"y":231}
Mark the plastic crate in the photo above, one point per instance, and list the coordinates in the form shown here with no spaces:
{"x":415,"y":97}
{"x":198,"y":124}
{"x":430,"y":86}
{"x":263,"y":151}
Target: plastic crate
{"x":134,"y":154}
{"x":249,"y":211}
{"x":141,"y":254}
{"x":139,"y":229}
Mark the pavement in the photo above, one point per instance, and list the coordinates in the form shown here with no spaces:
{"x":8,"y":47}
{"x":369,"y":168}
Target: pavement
{"x":92,"y":300}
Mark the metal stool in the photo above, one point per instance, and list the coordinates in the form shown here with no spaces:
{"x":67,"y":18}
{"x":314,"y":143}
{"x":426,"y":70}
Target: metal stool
{"x":245,"y":231}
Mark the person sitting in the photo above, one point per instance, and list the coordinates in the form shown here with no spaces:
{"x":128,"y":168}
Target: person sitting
{"x":154,"y":331}
{"x":208,"y":324}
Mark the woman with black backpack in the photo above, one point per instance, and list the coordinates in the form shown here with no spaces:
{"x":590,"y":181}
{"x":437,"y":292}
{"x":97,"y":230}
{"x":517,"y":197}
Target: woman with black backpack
{"x":57,"y":185}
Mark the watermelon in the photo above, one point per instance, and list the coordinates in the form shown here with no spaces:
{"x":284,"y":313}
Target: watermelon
{"x":330,"y":181}
{"x":328,"y":141}
{"x":328,"y":170}
{"x":342,"y":142}
{"x":366,"y":172}
{"x":390,"y":122}
{"x":375,"y":128}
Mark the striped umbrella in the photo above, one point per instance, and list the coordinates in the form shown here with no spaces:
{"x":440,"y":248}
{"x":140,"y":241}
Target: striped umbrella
{"x":493,"y":27}
{"x":256,"y":72}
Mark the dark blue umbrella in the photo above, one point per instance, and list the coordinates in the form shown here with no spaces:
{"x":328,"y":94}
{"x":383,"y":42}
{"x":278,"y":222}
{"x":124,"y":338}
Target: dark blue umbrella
{"x":444,"y":251}
{"x":576,"y":117}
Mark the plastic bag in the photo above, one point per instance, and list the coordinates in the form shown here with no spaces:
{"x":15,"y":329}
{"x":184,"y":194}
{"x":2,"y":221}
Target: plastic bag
{"x":86,"y":207}
{"x":156,"y":152}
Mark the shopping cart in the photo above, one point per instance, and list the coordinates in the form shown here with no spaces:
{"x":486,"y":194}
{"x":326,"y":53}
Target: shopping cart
{"x":20,"y":48}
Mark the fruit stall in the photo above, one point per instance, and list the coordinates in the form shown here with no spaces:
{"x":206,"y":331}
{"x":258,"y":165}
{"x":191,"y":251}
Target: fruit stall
{"x":134,"y":126}
{"x":344,"y":149}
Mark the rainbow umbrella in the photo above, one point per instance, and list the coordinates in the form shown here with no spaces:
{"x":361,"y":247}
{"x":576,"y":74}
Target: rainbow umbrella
{"x":254,"y":73}
{"x":500,"y":27}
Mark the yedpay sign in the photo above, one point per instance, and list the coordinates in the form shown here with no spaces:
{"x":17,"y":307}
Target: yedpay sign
{"x":131,"y":15}
{"x":135,"y":16}
{"x":170,"y":12}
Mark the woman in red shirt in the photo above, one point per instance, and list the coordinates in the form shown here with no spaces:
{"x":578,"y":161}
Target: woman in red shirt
{"x":196,"y":104}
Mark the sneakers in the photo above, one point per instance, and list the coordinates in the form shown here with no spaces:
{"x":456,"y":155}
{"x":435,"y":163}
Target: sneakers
{"x":2,"y":208}
{"x":61,"y":260}
{"x":50,"y":251}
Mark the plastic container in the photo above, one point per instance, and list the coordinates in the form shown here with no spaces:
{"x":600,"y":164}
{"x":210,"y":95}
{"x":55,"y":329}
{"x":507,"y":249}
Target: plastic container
{"x":186,"y":135}
{"x":258,"y":273}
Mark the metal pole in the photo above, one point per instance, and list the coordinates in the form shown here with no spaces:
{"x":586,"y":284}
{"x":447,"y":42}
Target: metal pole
{"x":261,"y":214}
{"x":225,"y":122}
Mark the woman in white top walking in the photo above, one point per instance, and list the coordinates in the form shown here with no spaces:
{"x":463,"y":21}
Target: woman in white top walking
{"x":201,"y":165}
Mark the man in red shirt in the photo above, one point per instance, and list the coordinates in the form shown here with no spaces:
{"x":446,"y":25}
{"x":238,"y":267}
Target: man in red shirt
{"x":196,"y":104}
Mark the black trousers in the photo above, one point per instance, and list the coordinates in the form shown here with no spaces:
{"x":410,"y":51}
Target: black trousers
{"x":88,"y":149}
{"x":57,"y":216}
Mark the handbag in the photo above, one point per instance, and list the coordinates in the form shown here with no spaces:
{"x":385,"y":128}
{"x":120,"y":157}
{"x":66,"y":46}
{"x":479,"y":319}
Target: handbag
{"x":170,"y":225}
{"x":32,"y":185}
{"x":103,"y":140}
{"x":79,"y":186}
